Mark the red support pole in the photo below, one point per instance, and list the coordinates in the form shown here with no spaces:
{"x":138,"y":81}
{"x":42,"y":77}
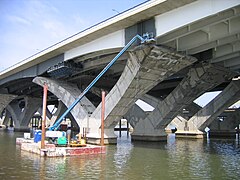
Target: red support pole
{"x":102,"y":118}
{"x":45,"y":89}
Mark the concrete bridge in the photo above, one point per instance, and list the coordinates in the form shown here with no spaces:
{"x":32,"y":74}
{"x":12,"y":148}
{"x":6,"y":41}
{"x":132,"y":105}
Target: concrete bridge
{"x":197,"y":50}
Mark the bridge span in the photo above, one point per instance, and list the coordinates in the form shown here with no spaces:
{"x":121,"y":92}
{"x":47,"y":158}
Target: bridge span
{"x":196,"y":50}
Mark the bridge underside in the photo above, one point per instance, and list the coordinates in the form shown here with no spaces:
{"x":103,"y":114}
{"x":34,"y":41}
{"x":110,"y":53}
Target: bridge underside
{"x":197,"y":56}
{"x":151,"y":70}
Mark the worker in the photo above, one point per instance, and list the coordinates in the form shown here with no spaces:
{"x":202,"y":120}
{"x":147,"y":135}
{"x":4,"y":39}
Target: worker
{"x":69,"y":134}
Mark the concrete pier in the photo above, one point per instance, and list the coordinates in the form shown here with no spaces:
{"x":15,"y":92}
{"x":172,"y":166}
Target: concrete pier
{"x":21,"y":116}
{"x":67,"y":93}
{"x":204,"y":117}
{"x":5,"y":100}
{"x":145,"y":68}
{"x":225,"y":125}
{"x":194,"y":84}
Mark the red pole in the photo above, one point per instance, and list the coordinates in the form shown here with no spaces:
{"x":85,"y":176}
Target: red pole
{"x":102,"y":118}
{"x":45,"y":89}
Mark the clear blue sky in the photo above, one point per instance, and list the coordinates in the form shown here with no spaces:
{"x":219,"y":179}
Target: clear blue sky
{"x":28,"y":26}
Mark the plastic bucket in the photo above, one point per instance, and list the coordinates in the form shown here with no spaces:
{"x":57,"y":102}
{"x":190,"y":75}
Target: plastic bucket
{"x":37,"y":136}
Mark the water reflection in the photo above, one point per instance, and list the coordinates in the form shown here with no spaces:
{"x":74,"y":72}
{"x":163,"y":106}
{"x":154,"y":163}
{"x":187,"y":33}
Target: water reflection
{"x":228,"y":157}
{"x":174,"y":159}
{"x":122,"y":154}
{"x":187,"y":159}
{"x":149,"y":160}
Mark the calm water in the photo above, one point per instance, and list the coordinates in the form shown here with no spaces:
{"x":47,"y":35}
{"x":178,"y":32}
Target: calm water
{"x":175,"y":159}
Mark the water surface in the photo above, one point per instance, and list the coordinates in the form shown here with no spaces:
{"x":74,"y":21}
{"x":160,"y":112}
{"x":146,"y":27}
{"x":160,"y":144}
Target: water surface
{"x":174,"y":159}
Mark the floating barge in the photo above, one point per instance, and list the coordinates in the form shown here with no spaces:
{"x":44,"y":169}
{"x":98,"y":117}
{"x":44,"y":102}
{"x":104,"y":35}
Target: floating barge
{"x":51,"y":150}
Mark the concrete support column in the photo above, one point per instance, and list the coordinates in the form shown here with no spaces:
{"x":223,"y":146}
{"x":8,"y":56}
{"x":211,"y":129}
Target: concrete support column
{"x":6,"y":119}
{"x":213,"y":109}
{"x":150,"y":100}
{"x":136,"y":114}
{"x":180,"y":120}
{"x":48,"y":113}
{"x":145,"y":68}
{"x":200,"y":78}
{"x":68,"y":93}
{"x":224,"y":126}
{"x":31,"y":106}
{"x":5,"y":100}
{"x":60,"y":110}
{"x":15,"y":112}
{"x":22,"y":116}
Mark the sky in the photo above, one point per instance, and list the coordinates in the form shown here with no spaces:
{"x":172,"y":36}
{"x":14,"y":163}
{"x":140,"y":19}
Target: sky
{"x":29,"y":26}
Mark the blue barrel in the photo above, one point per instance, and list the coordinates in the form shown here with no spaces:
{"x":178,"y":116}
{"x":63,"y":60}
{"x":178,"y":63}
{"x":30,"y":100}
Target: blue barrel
{"x":37,"y":136}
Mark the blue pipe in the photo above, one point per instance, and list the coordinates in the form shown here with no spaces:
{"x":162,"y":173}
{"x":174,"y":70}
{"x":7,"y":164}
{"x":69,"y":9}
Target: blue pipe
{"x":58,"y":122}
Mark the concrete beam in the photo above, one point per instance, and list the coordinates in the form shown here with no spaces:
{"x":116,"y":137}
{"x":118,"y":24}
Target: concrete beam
{"x":150,"y":100}
{"x":6,"y":118}
{"x":134,"y":115}
{"x":48,"y":113}
{"x":146,"y":67}
{"x":180,"y":121}
{"x":196,"y":83}
{"x":31,"y":106}
{"x":22,"y":116}
{"x":201,"y":78}
{"x":60,"y":110}
{"x":68,"y":93}
{"x":204,"y":16}
{"x":5,"y":100}
{"x":213,"y":109}
{"x":111,"y":25}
